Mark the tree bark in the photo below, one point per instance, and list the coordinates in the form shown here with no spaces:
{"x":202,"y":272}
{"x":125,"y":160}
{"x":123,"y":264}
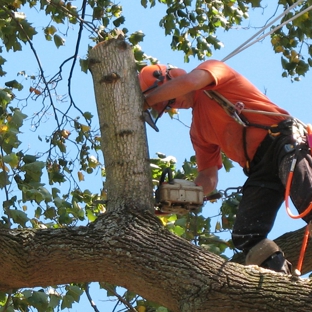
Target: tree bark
{"x":119,"y":103}
{"x":128,"y":246}
{"x":133,"y":250}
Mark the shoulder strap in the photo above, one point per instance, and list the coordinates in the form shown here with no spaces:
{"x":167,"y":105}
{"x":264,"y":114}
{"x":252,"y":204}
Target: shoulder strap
{"x":229,"y":108}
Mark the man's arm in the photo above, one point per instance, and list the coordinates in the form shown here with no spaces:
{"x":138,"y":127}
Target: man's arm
{"x":179,"y":86}
{"x":208,"y":179}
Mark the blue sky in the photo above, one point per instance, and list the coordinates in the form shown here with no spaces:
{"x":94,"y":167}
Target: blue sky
{"x":258,"y":63}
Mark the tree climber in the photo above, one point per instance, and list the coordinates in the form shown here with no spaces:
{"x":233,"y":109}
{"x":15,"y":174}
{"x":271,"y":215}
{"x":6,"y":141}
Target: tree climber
{"x":260,"y":136}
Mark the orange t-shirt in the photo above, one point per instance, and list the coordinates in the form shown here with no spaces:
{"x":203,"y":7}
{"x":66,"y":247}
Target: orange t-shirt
{"x":213,"y":130}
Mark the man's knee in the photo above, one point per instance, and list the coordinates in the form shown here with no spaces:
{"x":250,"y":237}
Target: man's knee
{"x":246,"y":241}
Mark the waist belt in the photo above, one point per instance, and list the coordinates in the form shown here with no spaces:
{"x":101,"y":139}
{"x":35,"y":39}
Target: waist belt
{"x":285,"y":127}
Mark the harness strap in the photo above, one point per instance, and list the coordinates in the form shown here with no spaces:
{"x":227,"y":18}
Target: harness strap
{"x":236,"y":113}
{"x":247,"y":168}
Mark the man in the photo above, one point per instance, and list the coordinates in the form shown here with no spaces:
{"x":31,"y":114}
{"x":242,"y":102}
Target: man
{"x":260,"y":136}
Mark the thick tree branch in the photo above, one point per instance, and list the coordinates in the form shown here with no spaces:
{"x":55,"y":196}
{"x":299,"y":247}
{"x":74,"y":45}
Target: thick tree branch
{"x":133,"y":250}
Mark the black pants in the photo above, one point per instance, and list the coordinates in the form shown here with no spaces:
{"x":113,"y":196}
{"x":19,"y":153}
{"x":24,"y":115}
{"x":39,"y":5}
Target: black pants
{"x":264,"y":190}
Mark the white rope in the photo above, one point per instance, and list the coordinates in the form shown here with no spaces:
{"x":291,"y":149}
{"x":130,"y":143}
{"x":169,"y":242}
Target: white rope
{"x":243,"y":46}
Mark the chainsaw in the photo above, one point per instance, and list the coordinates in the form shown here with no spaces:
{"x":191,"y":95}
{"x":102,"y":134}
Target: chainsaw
{"x":178,"y":196}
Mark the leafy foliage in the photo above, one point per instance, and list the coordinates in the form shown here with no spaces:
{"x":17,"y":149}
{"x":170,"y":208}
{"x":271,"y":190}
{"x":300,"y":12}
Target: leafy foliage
{"x":42,"y":188}
{"x":293,"y":42}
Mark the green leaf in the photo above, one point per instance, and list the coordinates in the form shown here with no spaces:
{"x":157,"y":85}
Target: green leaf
{"x":19,"y":217}
{"x":84,"y":65}
{"x":39,"y":300}
{"x":38,"y":212}
{"x":17,"y":118}
{"x":50,"y":213}
{"x":181,"y":222}
{"x":178,"y":230}
{"x":67,"y":302}
{"x":302,"y":68}
{"x":136,"y":37}
{"x":129,"y":295}
{"x":28,"y":31}
{"x":65,"y":218}
{"x":5,"y":98}
{"x":4,"y":179}
{"x":51,"y":30}
{"x":87,"y":115}
{"x":3,"y":297}
{"x":98,"y":13}
{"x":119,"y":21}
{"x":2,"y":60}
{"x":11,"y":159}
{"x":90,"y":215}
{"x":255,"y":3}
{"x":75,"y":292}
{"x":59,"y":41}
{"x":29,"y":158}
{"x":14,"y":85}
{"x":54,"y":301}
{"x":144,"y":3}
{"x":227,"y":163}
{"x":111,"y":289}
{"x":33,"y":171}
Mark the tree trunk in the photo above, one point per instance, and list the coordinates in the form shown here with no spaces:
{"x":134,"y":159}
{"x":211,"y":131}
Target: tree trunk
{"x":119,"y":102}
{"x":128,"y":245}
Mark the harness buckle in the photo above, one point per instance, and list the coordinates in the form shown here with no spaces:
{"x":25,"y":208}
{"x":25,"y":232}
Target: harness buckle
{"x":274,"y":130}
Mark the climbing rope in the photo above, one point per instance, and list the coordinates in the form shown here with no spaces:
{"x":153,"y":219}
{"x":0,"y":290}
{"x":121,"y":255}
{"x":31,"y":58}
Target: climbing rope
{"x":307,"y":231}
{"x":245,"y":45}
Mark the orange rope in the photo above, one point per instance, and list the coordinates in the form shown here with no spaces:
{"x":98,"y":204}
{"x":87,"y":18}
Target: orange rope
{"x":303,"y":249}
{"x":287,"y":191}
{"x":301,"y":215}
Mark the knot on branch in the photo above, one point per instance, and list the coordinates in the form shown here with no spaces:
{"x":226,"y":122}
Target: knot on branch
{"x":110,"y":78}
{"x":123,"y":133}
{"x":92,"y":61}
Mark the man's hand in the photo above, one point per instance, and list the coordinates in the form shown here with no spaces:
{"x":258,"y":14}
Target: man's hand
{"x":208,"y":179}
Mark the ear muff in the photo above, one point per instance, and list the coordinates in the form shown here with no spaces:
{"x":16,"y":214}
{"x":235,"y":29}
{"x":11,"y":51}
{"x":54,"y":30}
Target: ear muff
{"x":152,"y":76}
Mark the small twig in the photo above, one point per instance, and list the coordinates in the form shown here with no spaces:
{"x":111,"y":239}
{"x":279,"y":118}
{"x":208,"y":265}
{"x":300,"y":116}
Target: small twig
{"x":120,"y":298}
{"x":37,"y":59}
{"x":84,"y":5}
{"x":93,"y":305}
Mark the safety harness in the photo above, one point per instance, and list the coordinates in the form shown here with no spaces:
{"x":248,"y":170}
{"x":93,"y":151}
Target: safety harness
{"x":236,"y":112}
{"x":286,"y":127}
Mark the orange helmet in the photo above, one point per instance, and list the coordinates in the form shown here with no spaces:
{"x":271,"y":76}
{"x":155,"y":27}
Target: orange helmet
{"x":153,"y":76}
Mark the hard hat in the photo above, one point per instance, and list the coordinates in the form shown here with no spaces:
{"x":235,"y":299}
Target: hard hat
{"x":153,"y":76}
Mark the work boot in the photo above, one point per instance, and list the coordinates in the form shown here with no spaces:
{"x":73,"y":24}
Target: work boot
{"x":278,"y":263}
{"x":267,"y":254}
